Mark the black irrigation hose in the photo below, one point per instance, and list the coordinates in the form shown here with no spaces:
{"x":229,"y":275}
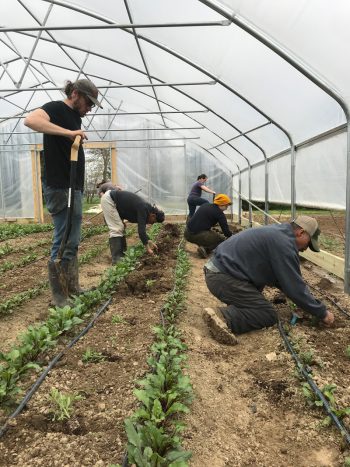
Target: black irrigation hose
{"x":51,"y":365}
{"x":304,"y":371}
{"x":346,"y":313}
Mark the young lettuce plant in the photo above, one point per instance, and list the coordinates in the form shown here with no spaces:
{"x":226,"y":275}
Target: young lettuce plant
{"x":62,"y":404}
{"x":92,"y":356}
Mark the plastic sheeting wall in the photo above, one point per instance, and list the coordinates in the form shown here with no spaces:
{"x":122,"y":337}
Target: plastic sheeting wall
{"x":165,"y":175}
{"x":324,"y":161}
{"x":16,"y":188}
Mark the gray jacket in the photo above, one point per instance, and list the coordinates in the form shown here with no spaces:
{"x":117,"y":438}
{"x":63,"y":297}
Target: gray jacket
{"x":268,"y":256}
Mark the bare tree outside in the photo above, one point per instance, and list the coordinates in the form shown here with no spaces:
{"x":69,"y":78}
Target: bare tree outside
{"x":97,"y":168}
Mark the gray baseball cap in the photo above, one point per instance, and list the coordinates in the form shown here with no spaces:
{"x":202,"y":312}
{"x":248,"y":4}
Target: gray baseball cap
{"x":310,"y":225}
{"x":89,"y":89}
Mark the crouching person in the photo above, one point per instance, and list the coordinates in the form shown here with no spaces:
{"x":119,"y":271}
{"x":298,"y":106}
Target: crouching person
{"x":199,"y":226}
{"x":245,"y":263}
{"x":118,"y":206}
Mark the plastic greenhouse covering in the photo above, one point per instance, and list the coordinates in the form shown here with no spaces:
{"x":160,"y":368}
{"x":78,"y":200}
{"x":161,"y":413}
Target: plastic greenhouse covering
{"x":253,"y":93}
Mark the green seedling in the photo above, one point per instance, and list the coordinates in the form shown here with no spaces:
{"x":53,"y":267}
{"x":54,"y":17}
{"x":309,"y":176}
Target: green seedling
{"x":62,"y":404}
{"x":27,"y":259}
{"x":20,"y":359}
{"x":6,"y":249}
{"x":312,"y":398}
{"x":307,"y":357}
{"x":6,"y":266}
{"x":347,"y":351}
{"x":340,"y":413}
{"x":92,"y":356}
{"x":328,"y":392}
{"x":116,"y":319}
{"x":150,"y":283}
{"x":347,"y":462}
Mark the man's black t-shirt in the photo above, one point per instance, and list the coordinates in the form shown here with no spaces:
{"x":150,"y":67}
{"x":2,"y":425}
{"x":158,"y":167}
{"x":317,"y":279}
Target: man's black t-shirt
{"x":57,"y":148}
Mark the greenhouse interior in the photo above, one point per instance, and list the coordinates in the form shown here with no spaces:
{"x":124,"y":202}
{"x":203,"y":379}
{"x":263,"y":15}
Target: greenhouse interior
{"x":252,"y":95}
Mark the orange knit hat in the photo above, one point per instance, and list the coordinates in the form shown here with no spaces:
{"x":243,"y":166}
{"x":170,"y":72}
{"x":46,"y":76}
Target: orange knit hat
{"x":222,"y":200}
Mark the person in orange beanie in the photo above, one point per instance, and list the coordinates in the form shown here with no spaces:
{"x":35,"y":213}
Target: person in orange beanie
{"x":199,"y":227}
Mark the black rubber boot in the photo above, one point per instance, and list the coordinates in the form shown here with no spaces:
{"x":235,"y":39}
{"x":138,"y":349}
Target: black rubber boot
{"x":117,"y":245}
{"x":58,"y":283}
{"x":125,"y":246}
{"x":73,"y":277}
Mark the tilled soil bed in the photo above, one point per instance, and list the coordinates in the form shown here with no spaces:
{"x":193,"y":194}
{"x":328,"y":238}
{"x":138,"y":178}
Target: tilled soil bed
{"x":249,"y":408}
{"x":95,"y":435}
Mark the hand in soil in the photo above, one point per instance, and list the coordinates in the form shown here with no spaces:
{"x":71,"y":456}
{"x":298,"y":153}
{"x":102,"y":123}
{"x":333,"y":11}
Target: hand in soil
{"x":328,"y":320}
{"x":151,"y":247}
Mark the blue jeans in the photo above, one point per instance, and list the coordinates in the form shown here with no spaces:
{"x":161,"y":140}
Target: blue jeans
{"x":56,"y":203}
{"x":193,"y":202}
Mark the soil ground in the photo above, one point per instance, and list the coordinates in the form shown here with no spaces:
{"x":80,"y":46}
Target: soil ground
{"x":248,"y":408}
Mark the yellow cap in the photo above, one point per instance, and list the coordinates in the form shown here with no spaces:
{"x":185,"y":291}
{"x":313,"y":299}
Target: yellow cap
{"x":222,"y":200}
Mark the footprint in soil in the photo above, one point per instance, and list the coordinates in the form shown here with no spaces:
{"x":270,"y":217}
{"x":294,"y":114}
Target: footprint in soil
{"x":142,"y":283}
{"x":72,"y":426}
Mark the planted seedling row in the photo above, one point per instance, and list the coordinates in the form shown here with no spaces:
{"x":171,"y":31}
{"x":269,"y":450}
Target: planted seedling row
{"x":8,"y":231}
{"x":154,"y":431}
{"x":326,"y":355}
{"x":8,"y":306}
{"x":42,"y":337}
{"x":319,"y":397}
{"x":32,"y":257}
{"x":14,"y":299}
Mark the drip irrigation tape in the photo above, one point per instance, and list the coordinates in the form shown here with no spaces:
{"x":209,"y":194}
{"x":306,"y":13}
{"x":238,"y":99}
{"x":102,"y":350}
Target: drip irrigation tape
{"x":346,"y":313}
{"x":92,"y":217}
{"x":125,"y":462}
{"x":51,"y":365}
{"x":305,"y":373}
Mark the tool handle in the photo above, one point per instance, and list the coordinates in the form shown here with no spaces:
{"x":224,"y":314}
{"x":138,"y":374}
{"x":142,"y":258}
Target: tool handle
{"x":70,"y":204}
{"x":75,"y":149}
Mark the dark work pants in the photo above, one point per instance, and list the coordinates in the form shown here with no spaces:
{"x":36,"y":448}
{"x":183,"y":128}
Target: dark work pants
{"x":247,"y":308}
{"x":193,"y":202}
{"x":209,"y":239}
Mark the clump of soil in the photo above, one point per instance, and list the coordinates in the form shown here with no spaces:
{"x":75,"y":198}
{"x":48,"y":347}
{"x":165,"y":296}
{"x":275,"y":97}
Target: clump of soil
{"x":148,"y":278}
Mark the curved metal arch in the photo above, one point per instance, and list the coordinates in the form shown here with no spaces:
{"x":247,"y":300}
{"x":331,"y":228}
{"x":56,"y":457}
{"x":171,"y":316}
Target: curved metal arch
{"x":136,"y":36}
{"x":178,"y":90}
{"x":201,"y":69}
{"x":322,"y":84}
{"x":78,"y":9}
{"x":191,"y":64}
{"x":180,"y":57}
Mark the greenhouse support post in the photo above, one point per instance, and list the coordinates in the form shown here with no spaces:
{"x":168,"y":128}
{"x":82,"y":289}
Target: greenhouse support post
{"x":37,"y":188}
{"x":266,"y":190}
{"x":240,"y":198}
{"x":292,"y":181}
{"x":250,"y":196}
{"x":347,"y":219}
{"x":114,"y":175}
